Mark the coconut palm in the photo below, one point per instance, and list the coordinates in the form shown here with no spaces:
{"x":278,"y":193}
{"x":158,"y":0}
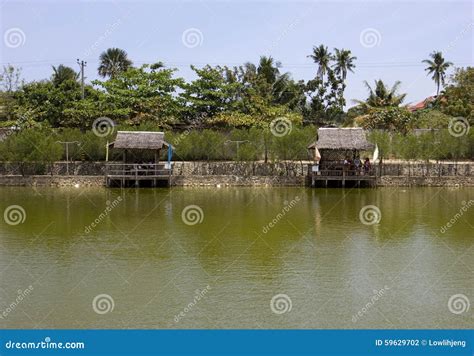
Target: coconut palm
{"x":382,"y":95}
{"x":322,"y":57}
{"x":112,"y":62}
{"x":268,"y":69}
{"x":437,"y":66}
{"x":62,"y":73}
{"x":344,"y":62}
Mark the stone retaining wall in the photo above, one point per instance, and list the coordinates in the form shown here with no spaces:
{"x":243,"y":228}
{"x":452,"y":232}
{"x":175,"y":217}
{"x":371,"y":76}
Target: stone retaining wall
{"x":226,"y":180}
{"x":242,"y":169}
{"x":53,"y":181}
{"x":251,"y":181}
{"x":242,"y":174}
{"x":445,"y":181}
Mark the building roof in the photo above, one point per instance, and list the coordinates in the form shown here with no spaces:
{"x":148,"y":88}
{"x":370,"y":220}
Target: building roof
{"x":342,"y":139}
{"x":422,"y":104}
{"x":145,"y":140}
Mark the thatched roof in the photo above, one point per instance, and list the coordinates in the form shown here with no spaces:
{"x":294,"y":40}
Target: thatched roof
{"x":145,"y":140}
{"x":341,"y":139}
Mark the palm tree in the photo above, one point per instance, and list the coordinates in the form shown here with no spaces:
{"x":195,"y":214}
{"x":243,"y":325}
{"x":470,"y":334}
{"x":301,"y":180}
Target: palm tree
{"x":437,"y":66}
{"x":322,"y":58}
{"x":113,"y":61}
{"x":382,"y":96}
{"x":344,"y":62}
{"x":62,"y":73}
{"x":268,"y":69}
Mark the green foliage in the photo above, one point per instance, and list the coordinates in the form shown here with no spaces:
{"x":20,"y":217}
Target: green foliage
{"x":201,"y":145}
{"x":62,"y":74}
{"x":211,"y":93}
{"x":392,"y":118}
{"x":383,"y":140}
{"x":437,"y":66}
{"x":381,"y":96}
{"x":432,"y":145}
{"x":113,"y":61}
{"x":31,"y":145}
{"x":431,"y":119}
{"x":144,"y":94}
{"x":458,"y":97}
{"x":294,"y":145}
{"x":47,"y":102}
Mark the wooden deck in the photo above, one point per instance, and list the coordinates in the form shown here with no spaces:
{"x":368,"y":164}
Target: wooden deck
{"x":341,"y":177}
{"x":136,"y":174}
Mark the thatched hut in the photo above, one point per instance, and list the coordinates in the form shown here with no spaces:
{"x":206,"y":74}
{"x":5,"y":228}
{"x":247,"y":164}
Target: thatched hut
{"x":134,"y":142}
{"x":140,"y":155}
{"x":337,"y":144}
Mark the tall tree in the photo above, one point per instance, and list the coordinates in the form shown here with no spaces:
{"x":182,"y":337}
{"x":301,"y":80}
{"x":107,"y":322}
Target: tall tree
{"x":112,"y":62}
{"x":322,"y":57}
{"x":212,"y":92}
{"x":437,"y":66}
{"x":344,"y":61}
{"x":62,"y":73}
{"x":143,"y":95}
{"x":268,"y":69}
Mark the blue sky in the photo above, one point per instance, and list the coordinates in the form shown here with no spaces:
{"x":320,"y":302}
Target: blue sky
{"x":38,"y":34}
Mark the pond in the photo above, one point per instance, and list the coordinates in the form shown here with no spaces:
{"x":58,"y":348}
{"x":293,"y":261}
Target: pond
{"x":236,"y":258}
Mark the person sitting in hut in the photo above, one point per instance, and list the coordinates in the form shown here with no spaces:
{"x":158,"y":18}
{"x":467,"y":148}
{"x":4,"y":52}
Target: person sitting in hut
{"x":367,"y":165}
{"x":357,"y":164}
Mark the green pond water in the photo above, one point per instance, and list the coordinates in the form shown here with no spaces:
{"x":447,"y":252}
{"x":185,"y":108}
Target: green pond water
{"x":236,"y":258}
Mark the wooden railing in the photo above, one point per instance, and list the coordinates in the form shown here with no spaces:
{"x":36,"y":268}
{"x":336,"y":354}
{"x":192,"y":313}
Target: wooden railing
{"x":138,"y":170}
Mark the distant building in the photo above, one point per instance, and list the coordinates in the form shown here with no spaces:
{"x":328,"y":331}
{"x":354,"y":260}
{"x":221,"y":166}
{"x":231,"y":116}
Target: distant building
{"x":425,"y":104}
